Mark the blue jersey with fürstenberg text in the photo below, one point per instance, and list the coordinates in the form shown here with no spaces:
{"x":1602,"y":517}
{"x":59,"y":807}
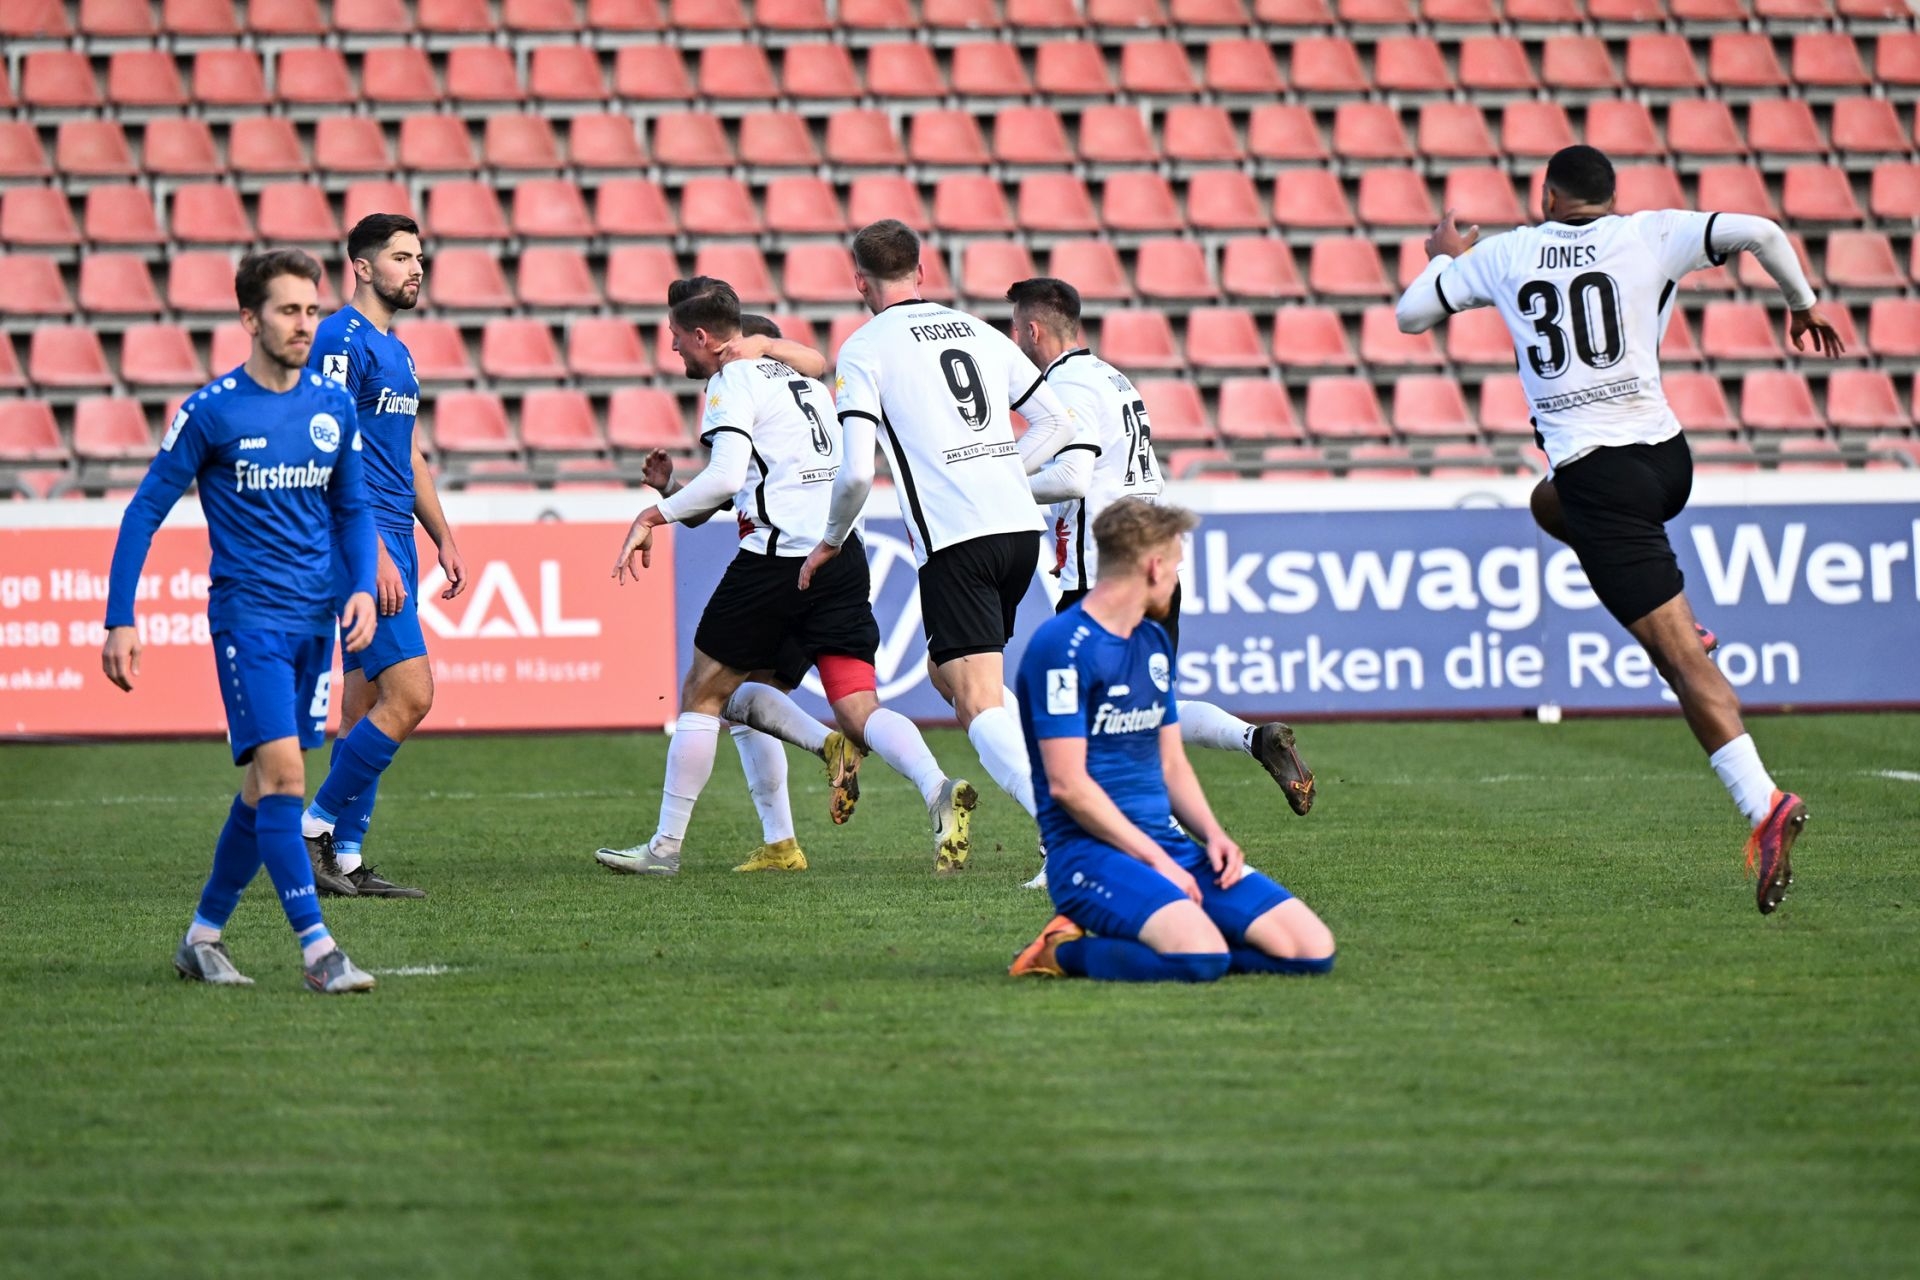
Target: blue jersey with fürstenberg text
{"x":280,"y":483}
{"x":1079,"y":680}
{"x":378,"y":373}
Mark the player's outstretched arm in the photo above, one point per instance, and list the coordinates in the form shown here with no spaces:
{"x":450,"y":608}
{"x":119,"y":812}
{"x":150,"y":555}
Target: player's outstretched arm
{"x":1428,"y":301}
{"x":1050,"y":428}
{"x":798,"y":356}
{"x":1763,"y":238}
{"x":433,"y":518}
{"x":182,"y":450}
{"x":1195,"y":814}
{"x":1088,"y":804}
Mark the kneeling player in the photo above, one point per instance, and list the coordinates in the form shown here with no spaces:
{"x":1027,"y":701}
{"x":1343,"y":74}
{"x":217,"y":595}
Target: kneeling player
{"x":1114,"y":791}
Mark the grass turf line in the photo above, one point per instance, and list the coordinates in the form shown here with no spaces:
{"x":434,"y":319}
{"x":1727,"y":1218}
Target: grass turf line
{"x":1560,"y":1040}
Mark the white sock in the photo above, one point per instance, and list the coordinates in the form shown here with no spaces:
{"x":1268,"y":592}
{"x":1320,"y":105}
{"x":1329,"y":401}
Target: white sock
{"x":1745,"y":778}
{"x":1204,"y":725}
{"x":316,"y":942}
{"x":773,"y":712}
{"x":313,"y":827}
{"x":765,"y":762}
{"x":895,"y":739}
{"x":996,"y":736}
{"x":197,"y":932}
{"x":689,"y":764}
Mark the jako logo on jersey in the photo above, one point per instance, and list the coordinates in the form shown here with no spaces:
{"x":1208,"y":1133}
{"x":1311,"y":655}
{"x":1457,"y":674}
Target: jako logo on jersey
{"x":1158,"y":668}
{"x":325,"y":430}
{"x":391,"y":401}
{"x":497,"y":609}
{"x":335,"y":367}
{"x":281,"y":475}
{"x":900,"y":662}
{"x":1111,"y":719}
{"x":253,"y":442}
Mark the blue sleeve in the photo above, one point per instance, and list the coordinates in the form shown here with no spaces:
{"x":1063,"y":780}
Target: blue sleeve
{"x":182,"y":451}
{"x":336,"y":359}
{"x":1054,"y":693}
{"x":353,"y":530}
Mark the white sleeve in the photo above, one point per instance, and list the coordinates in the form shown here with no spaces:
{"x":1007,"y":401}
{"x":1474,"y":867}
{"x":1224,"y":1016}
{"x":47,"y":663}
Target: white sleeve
{"x":855,"y":481}
{"x":1446,"y":285}
{"x":1050,"y":427}
{"x":713,"y":488}
{"x":1070,"y":474}
{"x":1728,"y":233}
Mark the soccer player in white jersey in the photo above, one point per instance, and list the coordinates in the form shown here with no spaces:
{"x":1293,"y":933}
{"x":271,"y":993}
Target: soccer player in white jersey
{"x":1587,"y":296}
{"x":1046,"y":325}
{"x":775,"y":452}
{"x":939,"y":387}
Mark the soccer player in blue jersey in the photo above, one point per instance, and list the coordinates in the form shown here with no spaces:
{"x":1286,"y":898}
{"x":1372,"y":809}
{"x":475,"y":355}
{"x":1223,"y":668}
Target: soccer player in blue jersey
{"x":389,"y":686}
{"x":1138,"y":899}
{"x":276,"y":453}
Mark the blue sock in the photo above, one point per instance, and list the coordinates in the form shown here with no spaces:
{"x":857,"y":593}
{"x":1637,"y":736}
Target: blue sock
{"x":285,"y":853}
{"x":1118,"y":960}
{"x":236,"y":858}
{"x":350,"y":827}
{"x":1247,"y":960}
{"x":333,"y":756}
{"x":358,"y":761}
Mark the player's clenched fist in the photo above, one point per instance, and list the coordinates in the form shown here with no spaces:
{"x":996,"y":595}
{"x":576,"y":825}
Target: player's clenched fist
{"x":357,"y":622}
{"x":120,"y":656}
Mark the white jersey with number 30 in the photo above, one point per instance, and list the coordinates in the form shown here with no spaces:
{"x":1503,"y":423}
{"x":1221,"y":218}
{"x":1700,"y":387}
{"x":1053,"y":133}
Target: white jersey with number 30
{"x":1100,"y":394}
{"x":788,"y":420}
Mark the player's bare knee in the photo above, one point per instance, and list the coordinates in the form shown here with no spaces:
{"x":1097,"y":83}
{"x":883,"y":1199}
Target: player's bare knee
{"x":852,"y":712}
{"x":1291,"y":931}
{"x":277,"y":769}
{"x":1182,"y":928}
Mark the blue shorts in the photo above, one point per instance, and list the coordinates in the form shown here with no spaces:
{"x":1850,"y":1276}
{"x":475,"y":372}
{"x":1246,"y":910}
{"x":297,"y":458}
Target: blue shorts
{"x":276,"y":685}
{"x":1110,"y":894}
{"x":397,"y":638}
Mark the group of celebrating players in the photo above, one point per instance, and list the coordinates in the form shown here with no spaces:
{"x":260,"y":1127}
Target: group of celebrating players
{"x":311,"y":478}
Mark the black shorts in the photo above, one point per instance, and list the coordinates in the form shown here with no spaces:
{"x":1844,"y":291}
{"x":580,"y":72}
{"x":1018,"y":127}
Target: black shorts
{"x":760,"y":619}
{"x":1170,"y":623}
{"x":970,"y":592}
{"x":1616,"y":502}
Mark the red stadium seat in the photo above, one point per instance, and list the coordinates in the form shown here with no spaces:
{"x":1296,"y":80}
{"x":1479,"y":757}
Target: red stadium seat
{"x":1347,"y":267}
{"x":1369,"y":131}
{"x":556,"y":277}
{"x":453,"y":17}
{"x":1460,"y":13}
{"x":1326,"y":65}
{"x":1071,"y":69}
{"x":651,"y":73}
{"x":99,"y":19}
{"x":469,"y":279}
{"x":1259,"y":267}
{"x":229,"y":78}
{"x":1344,"y":408}
{"x":60,"y":79}
{"x":1535,"y":129}
{"x":904,"y":71}
{"x":642,"y":419}
{"x":1504,"y":407}
{"x":823,"y":273}
{"x":437,"y":144}
{"x":1868,"y":126}
{"x":28,"y":432}
{"x":989,"y":69}
{"x":605,"y":141}
{"x":803,"y":206}
{"x":1582,"y":63}
{"x":863,"y":139}
{"x":1782,"y":127}
{"x":1315,"y":199}
{"x":1862,"y":260}
{"x":1256,"y":409}
{"x":199,"y":282}
{"x":1139,"y":339}
{"x":159,"y":355}
{"x":1703,"y":127}
{"x":1311,"y":338}
{"x":1382,"y":344}
{"x":1455,"y":131}
{"x":820,"y":72}
{"x":1200,"y":134}
{"x":81,"y":149}
{"x":111,"y":429}
{"x":971,"y":203}
{"x":809,"y":16}
{"x":1495,"y":64}
{"x":1030,"y":136}
{"x":1377,"y":13}
{"x":1778,"y":400}
{"x":1865,"y":400}
{"x":625,"y":16}
{"x":125,"y":216}
{"x":1044,"y":15}
{"x":1708,"y":11}
{"x":36,"y":288}
{"x":1829,"y":60}
{"x":1293,"y":13}
{"x":294,"y":213}
{"x":1736,"y":188}
{"x":516,"y":141}
{"x":1638,"y":187}
{"x":1394,"y":198}
{"x":468,"y":422}
{"x":743,"y":266}
{"x":1430,"y":405}
{"x":1483,"y":196}
{"x":1111,"y":134}
{"x":1224,"y":200}
{"x":1410,"y":64}
{"x":777,"y":140}
{"x":1054,"y":204}
{"x":1140,"y":202}
{"x":557,"y":16}
{"x":736,"y":72}
{"x":67,"y":356}
{"x":180,"y":149}
{"x":691,"y":140}
{"x":1740,"y":331}
{"x":483,"y":73}
{"x":146,"y":78}
{"x":1893,"y":329}
{"x":1244,"y":68}
{"x":1744,"y":60}
{"x":1677,"y":345}
{"x":1176,"y":410}
{"x":1094,"y":268}
{"x":719,"y":207}
{"x":232,"y":345}
{"x":1479,"y":338}
{"x":1819,"y":193}
{"x":208,"y":213}
{"x":398,"y":75}
{"x":638,"y":275}
{"x":949,"y":138}
{"x":1173,"y":269}
{"x":873,"y":197}
{"x":565,"y":73}
{"x":520,"y":349}
{"x":989,"y":267}
{"x":1283,"y":132}
{"x":1224,"y":338}
{"x":559,"y":421}
{"x":459,"y":210}
{"x":1659,"y":61}
{"x":551,"y":208}
{"x":607,"y":347}
{"x":360,"y":19}
{"x":314,"y":76}
{"x":1623,"y":128}
{"x":1895,"y":194}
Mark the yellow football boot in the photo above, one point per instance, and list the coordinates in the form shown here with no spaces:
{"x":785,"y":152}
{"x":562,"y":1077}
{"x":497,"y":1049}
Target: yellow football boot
{"x":785,"y":855}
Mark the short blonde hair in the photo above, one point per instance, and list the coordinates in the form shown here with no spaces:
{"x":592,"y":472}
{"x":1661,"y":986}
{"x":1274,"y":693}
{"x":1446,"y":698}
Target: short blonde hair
{"x":1131,"y":527}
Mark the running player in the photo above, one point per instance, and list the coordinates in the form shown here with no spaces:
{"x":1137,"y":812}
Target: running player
{"x":1046,"y":325}
{"x":940,"y":386}
{"x":775,"y":453}
{"x":1587,"y":296}
{"x":277,"y":456}
{"x":1118,"y":797}
{"x":389,"y":687}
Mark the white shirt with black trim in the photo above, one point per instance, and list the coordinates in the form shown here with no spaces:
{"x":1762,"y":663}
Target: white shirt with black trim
{"x":940,"y":387}
{"x":789,"y":423}
{"x":1105,"y":400}
{"x":1587,"y":305}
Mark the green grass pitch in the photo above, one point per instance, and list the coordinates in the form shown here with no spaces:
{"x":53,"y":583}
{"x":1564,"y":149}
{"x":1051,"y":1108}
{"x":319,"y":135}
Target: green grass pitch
{"x":1560,"y":1041}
